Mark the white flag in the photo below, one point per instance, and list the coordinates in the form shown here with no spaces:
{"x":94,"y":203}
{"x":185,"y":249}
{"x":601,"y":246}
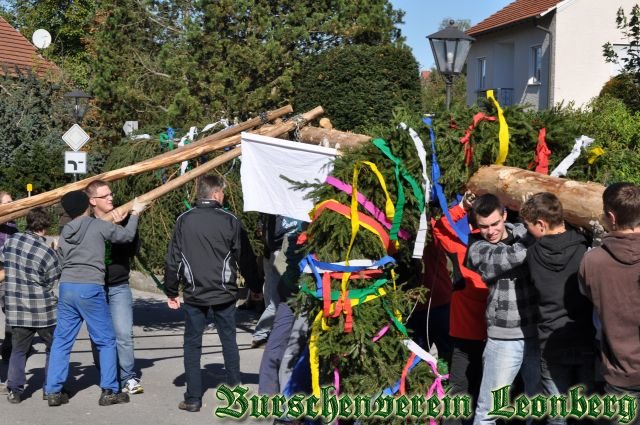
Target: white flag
{"x":265,"y":159}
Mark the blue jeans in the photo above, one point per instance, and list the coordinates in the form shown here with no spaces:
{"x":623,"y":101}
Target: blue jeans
{"x":274,"y":351}
{"x":224,"y":317}
{"x":80,"y":302}
{"x":271,"y":297}
{"x":298,"y":341}
{"x":120,"y":303}
{"x":501,"y":361}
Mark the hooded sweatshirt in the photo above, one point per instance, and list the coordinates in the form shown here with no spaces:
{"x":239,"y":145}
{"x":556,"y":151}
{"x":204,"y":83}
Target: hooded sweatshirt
{"x":611,"y":275}
{"x":565,"y":326}
{"x":82,"y":245}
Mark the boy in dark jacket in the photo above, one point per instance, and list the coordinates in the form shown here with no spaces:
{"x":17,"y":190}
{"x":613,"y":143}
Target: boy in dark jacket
{"x":565,"y":328}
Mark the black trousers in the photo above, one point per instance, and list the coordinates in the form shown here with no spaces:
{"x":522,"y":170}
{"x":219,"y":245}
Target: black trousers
{"x":21,"y":341}
{"x":465,"y":372}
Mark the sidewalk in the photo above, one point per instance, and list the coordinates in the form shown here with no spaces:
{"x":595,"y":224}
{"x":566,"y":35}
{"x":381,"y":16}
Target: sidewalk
{"x":158,"y":334}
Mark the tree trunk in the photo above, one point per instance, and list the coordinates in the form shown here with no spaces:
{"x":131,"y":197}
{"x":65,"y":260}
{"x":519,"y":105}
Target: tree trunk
{"x":582,"y":202}
{"x":331,"y":138}
{"x":168,"y":158}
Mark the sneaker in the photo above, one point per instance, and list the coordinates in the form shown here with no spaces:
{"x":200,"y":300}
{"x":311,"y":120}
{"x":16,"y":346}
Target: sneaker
{"x":133,"y":386}
{"x":65,"y":395}
{"x":14,"y":397}
{"x":56,"y":399}
{"x":108,"y":397}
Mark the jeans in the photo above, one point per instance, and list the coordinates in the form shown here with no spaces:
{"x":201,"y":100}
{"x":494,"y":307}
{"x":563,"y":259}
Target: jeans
{"x":21,"y":341}
{"x":501,"y":361}
{"x":80,"y":302}
{"x":120,"y":303}
{"x":268,"y":382}
{"x":224,"y":317}
{"x":271,"y":297}
{"x":465,"y":373}
{"x":557,"y":376}
{"x":298,"y":340}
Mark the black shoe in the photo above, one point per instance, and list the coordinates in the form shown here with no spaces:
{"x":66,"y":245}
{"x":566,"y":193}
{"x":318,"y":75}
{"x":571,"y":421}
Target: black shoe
{"x":65,"y":395}
{"x":56,"y":399}
{"x":189,"y":407}
{"x":257,"y":343}
{"x":108,"y":397}
{"x":14,"y":397}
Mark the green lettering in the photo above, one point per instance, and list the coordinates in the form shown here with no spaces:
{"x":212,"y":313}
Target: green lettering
{"x":259,"y":406}
{"x":578,"y":403}
{"x":359,"y":401}
{"x":522,"y":406}
{"x":594,"y":403}
{"x":416,"y":406}
{"x":609,"y":408}
{"x":628,"y":408}
{"x":312,"y":401}
{"x":346,"y":404}
{"x":402,"y":403}
{"x":461,"y":405}
{"x":538,"y":406}
{"x":296,"y":410}
{"x":433,"y":406}
{"x":225,"y":393}
{"x":554,"y":400}
{"x":384,"y":406}
{"x":329,"y":403}
{"x":501,"y":402}
{"x":278,"y":401}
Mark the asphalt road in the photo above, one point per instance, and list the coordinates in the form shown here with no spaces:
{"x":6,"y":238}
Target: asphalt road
{"x":158,"y":334}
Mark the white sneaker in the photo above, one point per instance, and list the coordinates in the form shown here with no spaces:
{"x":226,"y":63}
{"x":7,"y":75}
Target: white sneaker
{"x":133,"y":386}
{"x":3,"y":388}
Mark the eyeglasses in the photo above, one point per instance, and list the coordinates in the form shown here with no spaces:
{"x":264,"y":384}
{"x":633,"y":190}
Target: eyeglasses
{"x":104,"y":196}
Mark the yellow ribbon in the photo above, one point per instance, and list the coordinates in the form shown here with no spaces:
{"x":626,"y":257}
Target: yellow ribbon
{"x":594,"y":154}
{"x":503,"y":133}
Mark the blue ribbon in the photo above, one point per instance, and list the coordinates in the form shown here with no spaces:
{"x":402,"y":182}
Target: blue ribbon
{"x":393,"y":390}
{"x":461,"y":231}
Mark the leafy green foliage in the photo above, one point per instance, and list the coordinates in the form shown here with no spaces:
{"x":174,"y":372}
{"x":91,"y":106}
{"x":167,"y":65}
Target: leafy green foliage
{"x":624,"y":87}
{"x":630,"y":28}
{"x":434,"y":95}
{"x":359,"y":85}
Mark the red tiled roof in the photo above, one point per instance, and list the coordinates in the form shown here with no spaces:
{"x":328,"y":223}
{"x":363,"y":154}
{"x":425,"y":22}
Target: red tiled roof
{"x":513,"y":12}
{"x":16,"y":50}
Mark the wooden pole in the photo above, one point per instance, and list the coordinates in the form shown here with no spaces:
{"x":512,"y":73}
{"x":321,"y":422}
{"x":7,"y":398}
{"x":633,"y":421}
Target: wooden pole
{"x":330,"y":137}
{"x":168,"y":158}
{"x":581,"y":201}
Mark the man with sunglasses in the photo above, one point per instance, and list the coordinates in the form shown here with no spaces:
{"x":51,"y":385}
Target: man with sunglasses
{"x":117,"y":260}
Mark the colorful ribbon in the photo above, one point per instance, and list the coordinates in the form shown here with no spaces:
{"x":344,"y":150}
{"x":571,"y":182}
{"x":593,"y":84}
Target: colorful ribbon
{"x":466,"y":139}
{"x":503,"y":133}
{"x":594,"y":154}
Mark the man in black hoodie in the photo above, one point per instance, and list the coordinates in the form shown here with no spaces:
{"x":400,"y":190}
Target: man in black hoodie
{"x":207,"y":246}
{"x":565,"y":328}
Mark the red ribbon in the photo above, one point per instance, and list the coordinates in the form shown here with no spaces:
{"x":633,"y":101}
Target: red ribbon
{"x":405,"y":371}
{"x":542,"y":153}
{"x":466,"y":139}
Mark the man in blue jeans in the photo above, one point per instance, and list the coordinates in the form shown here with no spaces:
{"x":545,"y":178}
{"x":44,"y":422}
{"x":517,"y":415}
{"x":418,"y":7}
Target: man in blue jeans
{"x":207,"y":248}
{"x":117,"y":261}
{"x":82,"y":296}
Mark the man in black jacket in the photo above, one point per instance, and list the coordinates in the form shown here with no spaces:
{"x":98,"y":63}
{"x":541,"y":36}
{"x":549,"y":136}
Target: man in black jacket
{"x":207,"y":246}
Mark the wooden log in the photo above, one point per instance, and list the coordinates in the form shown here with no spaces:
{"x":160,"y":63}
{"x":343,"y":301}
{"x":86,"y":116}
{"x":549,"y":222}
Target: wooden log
{"x":169,"y":158}
{"x":581,"y":201}
{"x":331,"y":138}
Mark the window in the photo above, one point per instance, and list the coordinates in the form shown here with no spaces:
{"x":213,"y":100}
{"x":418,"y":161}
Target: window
{"x":621,"y":51}
{"x":482,"y":73}
{"x":536,"y":65}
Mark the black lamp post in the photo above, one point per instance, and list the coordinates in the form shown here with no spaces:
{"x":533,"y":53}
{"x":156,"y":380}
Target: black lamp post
{"x":80,"y":103}
{"x":450,"y":48}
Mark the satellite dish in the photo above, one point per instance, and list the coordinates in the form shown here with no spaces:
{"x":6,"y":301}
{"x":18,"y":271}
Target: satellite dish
{"x":41,"y":39}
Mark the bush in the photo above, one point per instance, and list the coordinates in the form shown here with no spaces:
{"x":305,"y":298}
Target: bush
{"x":624,"y":87}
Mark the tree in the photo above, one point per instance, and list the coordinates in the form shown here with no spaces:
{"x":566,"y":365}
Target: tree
{"x":433,"y":92}
{"x":462,"y":24}
{"x":358,"y":84}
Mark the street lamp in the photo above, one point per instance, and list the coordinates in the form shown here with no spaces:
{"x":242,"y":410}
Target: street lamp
{"x":80,"y":103}
{"x":450,"y":48}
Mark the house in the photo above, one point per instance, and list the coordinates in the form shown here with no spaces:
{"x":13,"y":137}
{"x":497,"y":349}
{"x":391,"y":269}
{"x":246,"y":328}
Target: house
{"x":543,"y":52}
{"x":18,"y":55}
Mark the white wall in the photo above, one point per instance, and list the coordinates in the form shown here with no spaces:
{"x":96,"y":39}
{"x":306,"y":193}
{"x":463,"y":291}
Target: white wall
{"x":582,"y":27}
{"x":508,"y":54}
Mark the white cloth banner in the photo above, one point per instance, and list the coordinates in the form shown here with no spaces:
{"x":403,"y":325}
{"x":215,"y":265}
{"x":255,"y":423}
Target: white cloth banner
{"x":582,"y":142}
{"x":265,"y":159}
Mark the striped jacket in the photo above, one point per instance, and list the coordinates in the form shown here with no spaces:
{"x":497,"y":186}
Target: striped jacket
{"x":512,"y":307}
{"x":31,"y":271}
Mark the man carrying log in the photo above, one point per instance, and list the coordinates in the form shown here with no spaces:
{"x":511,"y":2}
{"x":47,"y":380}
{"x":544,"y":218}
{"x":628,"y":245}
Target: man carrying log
{"x":499,"y":257}
{"x":611,"y":273}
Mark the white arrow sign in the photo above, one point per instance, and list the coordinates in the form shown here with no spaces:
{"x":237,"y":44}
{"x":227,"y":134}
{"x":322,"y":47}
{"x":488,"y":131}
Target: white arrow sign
{"x":75,"y":137}
{"x":75,"y":162}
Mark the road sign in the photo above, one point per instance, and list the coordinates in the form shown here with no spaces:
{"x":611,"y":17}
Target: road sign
{"x":75,"y":137}
{"x":75,"y":162}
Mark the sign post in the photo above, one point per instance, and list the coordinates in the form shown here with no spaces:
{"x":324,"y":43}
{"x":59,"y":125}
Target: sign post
{"x":75,"y":162}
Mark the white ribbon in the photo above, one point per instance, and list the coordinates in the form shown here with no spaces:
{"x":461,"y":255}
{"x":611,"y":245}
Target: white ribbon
{"x":581,"y":143}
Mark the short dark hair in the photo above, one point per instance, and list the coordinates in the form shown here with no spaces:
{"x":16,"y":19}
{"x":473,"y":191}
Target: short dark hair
{"x":623,"y":201}
{"x":208,"y":184}
{"x":485,"y":205}
{"x":38,"y":219}
{"x":543,"y":206}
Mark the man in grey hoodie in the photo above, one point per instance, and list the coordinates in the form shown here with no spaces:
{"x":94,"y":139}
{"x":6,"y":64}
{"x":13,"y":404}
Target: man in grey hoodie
{"x":82,"y":296}
{"x":512,"y":346}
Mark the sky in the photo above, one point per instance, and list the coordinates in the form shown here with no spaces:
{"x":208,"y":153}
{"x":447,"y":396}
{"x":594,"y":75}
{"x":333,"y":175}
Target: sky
{"x":422,"y":17}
